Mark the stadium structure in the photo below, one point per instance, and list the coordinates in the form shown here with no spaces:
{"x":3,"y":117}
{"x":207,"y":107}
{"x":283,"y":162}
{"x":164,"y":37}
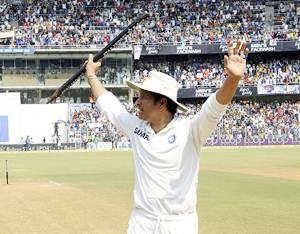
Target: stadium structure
{"x":41,"y":45}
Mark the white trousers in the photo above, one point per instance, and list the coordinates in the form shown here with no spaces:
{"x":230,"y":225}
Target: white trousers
{"x":144,"y":223}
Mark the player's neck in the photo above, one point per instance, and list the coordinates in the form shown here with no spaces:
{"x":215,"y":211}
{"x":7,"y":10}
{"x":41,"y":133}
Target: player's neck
{"x":161,"y":122}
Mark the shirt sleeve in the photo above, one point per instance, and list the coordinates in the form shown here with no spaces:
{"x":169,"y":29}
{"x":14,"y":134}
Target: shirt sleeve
{"x":205,"y":121}
{"x":111,"y":107}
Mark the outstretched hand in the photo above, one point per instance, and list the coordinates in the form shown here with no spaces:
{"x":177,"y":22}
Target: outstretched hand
{"x":235,"y":62}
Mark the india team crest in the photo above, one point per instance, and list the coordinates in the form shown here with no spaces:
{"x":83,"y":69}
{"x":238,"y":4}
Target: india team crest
{"x":172,"y":138}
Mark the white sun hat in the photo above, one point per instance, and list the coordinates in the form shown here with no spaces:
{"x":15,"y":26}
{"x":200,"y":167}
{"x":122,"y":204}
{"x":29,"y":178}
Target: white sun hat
{"x":160,"y":83}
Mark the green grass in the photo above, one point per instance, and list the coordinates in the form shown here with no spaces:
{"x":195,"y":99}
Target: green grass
{"x":241,"y":190}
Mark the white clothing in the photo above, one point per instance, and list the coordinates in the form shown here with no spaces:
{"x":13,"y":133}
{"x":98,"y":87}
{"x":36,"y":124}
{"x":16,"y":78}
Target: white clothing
{"x":167,"y":162}
{"x":144,"y":223}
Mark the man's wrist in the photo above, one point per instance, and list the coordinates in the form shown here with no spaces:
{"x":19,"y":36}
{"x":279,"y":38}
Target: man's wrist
{"x":91,"y":77}
{"x":235,"y":78}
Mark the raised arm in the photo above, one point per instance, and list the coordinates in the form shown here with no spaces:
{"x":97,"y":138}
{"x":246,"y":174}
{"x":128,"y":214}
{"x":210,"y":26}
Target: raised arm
{"x":108,"y":104}
{"x":204,"y":123}
{"x":91,"y":71}
{"x":235,"y":67}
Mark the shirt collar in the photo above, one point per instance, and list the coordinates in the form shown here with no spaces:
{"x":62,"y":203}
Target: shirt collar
{"x":170,"y":125}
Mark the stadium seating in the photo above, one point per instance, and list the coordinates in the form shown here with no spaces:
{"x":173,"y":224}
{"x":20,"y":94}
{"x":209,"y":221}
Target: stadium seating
{"x":242,"y":120}
{"x":210,"y":72}
{"x":90,"y":22}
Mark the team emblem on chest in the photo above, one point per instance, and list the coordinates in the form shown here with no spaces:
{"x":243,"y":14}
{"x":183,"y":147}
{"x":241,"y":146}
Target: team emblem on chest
{"x":172,"y":138}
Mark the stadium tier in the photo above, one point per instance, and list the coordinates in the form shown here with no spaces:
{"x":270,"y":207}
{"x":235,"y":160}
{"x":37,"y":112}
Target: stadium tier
{"x":89,"y":22}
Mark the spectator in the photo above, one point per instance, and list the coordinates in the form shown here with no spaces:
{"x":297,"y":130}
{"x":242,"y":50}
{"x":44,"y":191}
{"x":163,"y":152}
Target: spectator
{"x":94,"y":23}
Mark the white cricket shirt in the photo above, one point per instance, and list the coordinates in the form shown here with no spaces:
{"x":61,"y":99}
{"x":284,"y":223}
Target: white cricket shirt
{"x":166,"y":163}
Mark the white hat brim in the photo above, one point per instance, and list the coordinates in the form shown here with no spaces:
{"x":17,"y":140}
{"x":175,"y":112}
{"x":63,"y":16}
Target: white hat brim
{"x":137,"y":86}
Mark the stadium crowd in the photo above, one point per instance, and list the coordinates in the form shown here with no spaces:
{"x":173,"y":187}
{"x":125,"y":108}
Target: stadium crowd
{"x":209,"y":72}
{"x":91,"y":22}
{"x":249,"y":120}
{"x":90,"y":126}
{"x":242,"y":120}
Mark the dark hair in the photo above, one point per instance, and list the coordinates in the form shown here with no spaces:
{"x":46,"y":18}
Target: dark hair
{"x":171,"y":106}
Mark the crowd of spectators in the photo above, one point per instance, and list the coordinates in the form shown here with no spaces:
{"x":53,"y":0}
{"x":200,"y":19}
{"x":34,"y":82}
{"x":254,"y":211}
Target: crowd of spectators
{"x":210,"y":72}
{"x":115,"y":74}
{"x":262,"y":121}
{"x":242,"y":120}
{"x":89,"y":126}
{"x":91,"y":22}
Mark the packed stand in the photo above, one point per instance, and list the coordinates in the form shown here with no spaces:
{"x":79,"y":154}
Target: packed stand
{"x":249,"y":120}
{"x":88,"y":126}
{"x":242,"y":120}
{"x":210,"y":72}
{"x":92,"y":23}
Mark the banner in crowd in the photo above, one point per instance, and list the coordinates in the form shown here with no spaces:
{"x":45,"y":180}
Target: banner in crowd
{"x":126,"y":146}
{"x":196,"y":92}
{"x":108,"y":145}
{"x":243,"y":91}
{"x":7,"y":34}
{"x":17,"y":50}
{"x":77,"y":108}
{"x":253,"y":141}
{"x":278,"y":89}
{"x":255,"y":47}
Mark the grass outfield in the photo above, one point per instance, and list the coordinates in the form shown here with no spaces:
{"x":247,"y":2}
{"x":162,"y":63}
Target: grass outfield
{"x":246,"y":190}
